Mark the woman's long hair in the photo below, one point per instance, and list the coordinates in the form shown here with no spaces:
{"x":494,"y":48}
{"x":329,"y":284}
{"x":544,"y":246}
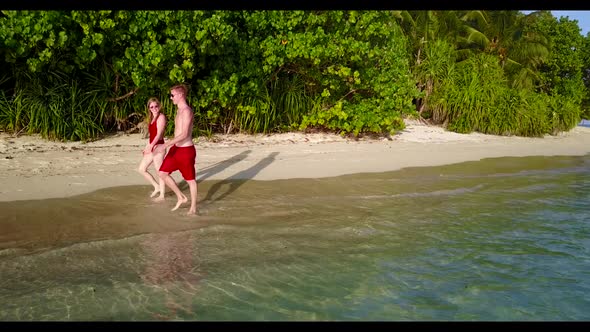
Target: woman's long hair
{"x":153,"y":100}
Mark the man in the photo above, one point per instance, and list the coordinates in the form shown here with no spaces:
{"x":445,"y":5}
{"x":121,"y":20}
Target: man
{"x":182,"y":153}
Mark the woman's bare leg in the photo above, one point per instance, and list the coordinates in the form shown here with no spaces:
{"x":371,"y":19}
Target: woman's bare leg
{"x":142,"y":169}
{"x":158,"y":159}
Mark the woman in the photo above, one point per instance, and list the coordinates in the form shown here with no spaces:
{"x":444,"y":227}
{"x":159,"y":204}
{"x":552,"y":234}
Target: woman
{"x":156,"y":129}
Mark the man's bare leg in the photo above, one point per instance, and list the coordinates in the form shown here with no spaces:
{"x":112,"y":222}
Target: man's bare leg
{"x":172,"y":184}
{"x":192,"y":184}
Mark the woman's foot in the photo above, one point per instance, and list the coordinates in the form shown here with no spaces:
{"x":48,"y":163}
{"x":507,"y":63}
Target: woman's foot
{"x":158,"y":199}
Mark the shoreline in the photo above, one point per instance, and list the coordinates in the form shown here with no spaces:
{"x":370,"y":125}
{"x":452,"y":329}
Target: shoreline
{"x":32,"y":168}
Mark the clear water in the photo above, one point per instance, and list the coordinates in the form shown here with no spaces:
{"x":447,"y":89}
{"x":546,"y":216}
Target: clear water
{"x":498,"y":239}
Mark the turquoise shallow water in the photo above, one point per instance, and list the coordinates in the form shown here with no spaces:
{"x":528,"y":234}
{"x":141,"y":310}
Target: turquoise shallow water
{"x":498,"y":239}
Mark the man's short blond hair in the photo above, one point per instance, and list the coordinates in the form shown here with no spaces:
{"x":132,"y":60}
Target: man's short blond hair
{"x":180,"y":87}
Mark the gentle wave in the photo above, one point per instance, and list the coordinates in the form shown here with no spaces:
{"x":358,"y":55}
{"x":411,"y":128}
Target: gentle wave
{"x":470,"y":245}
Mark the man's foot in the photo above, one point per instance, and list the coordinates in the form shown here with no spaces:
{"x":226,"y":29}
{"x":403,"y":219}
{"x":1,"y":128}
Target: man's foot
{"x":192,"y":212}
{"x":156,"y":191}
{"x":158,"y":199}
{"x":181,"y":201}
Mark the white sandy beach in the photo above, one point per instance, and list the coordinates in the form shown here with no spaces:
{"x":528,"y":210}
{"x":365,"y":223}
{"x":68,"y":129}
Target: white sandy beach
{"x":33,"y":168}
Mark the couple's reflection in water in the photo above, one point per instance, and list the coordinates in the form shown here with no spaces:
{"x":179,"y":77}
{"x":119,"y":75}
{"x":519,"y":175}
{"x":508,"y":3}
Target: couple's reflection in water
{"x":172,"y":268}
{"x":172,"y":264}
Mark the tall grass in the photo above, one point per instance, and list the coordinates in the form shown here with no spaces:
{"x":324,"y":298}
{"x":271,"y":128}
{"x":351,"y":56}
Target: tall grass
{"x":278,"y":105}
{"x":563,"y":114}
{"x":11,"y":110}
{"x":119,"y":110}
{"x":256,"y":114}
{"x":53,"y":105}
{"x":290,"y":99}
{"x":477,"y":97}
{"x":437,"y":68}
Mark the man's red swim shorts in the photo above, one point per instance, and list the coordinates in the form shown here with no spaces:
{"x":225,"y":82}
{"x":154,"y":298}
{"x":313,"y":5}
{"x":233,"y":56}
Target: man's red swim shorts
{"x":182,"y":159}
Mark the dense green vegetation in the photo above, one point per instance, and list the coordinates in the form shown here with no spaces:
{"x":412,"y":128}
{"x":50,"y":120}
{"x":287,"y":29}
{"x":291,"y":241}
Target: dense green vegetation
{"x":77,"y":75}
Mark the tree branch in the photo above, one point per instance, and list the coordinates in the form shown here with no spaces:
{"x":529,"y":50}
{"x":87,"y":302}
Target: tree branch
{"x":129,"y":94}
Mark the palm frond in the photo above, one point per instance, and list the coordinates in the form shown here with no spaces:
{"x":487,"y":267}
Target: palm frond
{"x":477,"y":16}
{"x":476,"y":37}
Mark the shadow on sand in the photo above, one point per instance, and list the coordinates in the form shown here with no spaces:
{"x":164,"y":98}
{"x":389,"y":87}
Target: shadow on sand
{"x":236,"y":180}
{"x":213,"y":169}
